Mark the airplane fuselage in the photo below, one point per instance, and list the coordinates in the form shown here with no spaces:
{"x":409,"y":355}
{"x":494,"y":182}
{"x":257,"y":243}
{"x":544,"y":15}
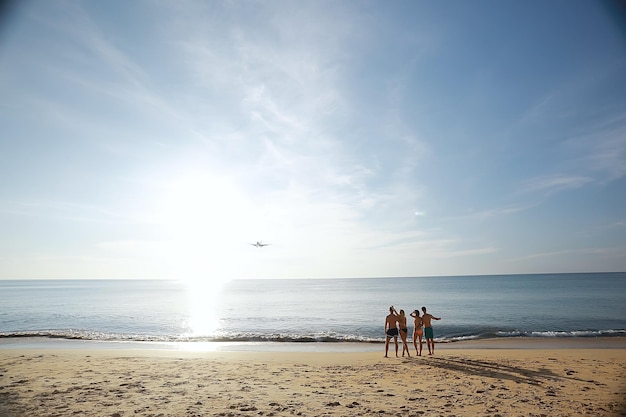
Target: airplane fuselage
{"x":259,"y":244}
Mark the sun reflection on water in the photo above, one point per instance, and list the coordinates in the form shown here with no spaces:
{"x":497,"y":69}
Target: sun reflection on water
{"x":203,"y":296}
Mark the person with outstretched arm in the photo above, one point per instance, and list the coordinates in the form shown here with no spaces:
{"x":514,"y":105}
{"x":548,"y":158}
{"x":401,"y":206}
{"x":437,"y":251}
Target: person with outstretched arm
{"x":428,"y":330}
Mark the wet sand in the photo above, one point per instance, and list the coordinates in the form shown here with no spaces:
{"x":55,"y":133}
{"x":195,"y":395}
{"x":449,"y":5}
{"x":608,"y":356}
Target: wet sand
{"x":479,"y":380}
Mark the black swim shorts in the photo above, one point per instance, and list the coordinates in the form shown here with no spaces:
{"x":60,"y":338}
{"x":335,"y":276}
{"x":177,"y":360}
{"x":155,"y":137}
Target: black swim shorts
{"x":392,"y":332}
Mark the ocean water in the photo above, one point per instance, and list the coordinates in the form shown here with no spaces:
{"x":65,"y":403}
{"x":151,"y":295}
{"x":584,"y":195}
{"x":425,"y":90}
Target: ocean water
{"x":313,"y":310}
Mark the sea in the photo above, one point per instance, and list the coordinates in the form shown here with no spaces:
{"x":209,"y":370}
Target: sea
{"x":320,"y":311}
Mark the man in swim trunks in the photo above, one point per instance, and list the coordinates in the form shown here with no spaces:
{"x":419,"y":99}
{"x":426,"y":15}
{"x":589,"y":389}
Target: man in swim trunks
{"x":391,"y":329}
{"x":428,"y":330}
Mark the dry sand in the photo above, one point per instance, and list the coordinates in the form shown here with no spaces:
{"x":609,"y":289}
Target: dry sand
{"x":455,"y":382}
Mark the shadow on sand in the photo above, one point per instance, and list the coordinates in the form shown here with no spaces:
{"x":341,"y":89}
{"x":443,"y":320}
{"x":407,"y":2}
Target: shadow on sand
{"x":499,"y":370}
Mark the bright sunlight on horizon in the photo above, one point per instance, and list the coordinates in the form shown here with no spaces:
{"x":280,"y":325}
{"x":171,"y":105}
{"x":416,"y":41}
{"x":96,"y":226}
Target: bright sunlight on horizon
{"x":156,"y":139}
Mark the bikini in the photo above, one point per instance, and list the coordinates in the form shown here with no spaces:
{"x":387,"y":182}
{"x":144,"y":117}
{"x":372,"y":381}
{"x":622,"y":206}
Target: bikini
{"x":418,"y":329}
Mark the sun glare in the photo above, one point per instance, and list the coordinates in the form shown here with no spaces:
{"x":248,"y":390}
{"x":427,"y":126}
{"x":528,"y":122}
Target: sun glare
{"x":203,"y":296}
{"x":195,"y":207}
{"x":205,"y":219}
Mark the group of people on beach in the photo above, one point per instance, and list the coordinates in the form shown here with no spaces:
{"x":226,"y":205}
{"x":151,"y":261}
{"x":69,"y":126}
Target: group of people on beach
{"x":395,"y":324}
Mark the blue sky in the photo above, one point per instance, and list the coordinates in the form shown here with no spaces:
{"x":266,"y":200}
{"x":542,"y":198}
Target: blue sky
{"x":153,"y":139}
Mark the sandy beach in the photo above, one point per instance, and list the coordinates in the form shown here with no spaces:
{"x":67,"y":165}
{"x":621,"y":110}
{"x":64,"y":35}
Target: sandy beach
{"x":473,"y":381}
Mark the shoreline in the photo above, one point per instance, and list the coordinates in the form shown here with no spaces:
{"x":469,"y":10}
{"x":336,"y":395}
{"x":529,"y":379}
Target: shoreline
{"x":523,"y":343}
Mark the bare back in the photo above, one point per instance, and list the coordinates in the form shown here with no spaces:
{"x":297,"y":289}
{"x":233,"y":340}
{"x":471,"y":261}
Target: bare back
{"x":426,"y":318}
{"x":391,"y":321}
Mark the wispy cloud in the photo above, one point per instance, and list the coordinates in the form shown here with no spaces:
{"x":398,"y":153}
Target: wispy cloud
{"x":547,"y":185}
{"x":482,"y":215}
{"x":114,"y":81}
{"x":578,"y":129}
{"x":607,"y":153}
{"x":605,"y":251}
{"x":75,"y":212}
{"x":151,"y":248}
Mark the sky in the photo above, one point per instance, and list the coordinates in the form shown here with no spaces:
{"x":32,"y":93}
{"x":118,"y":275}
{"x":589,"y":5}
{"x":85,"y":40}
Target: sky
{"x":160,"y":139}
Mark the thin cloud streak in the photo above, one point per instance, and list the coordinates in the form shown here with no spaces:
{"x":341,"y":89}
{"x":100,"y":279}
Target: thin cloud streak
{"x":73,"y":212}
{"x":483,"y":215}
{"x":606,"y":251}
{"x":548,"y":185}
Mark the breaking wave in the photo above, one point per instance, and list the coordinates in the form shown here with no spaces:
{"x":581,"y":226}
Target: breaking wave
{"x":294,"y":338}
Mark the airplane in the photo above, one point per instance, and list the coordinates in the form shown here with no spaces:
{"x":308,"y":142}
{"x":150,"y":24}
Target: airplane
{"x":260,"y":244}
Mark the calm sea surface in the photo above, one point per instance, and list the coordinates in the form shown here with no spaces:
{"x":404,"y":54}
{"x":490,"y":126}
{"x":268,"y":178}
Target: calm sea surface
{"x":329,"y":310}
